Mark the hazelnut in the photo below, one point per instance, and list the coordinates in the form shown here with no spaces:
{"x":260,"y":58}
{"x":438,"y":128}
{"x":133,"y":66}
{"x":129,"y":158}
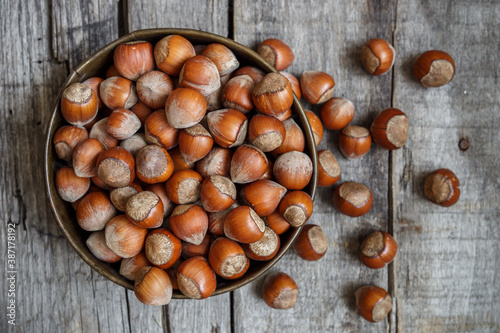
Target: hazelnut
{"x":296,"y":207}
{"x":337,"y":113}
{"x":154,"y":164}
{"x":152,"y":286}
{"x":171,"y":52}
{"x":434,"y":68}
{"x":390,"y":129}
{"x":133,"y":59}
{"x":377,"y":56}
{"x":201,"y":74}
{"x":118,"y":92}
{"x":373,"y":303}
{"x":352,"y":199}
{"x":227,"y":258}
{"x":184,"y":186}
{"x":273,"y":95}
{"x":189,"y":223}
{"x":378,"y":249}
{"x":354,"y":142}
{"x":153,"y":89}
{"x":123,"y":237}
{"x":162,"y":248}
{"x":280,"y":291}
{"x":145,"y":209}
{"x":442,"y":187}
{"x":94,"y":211}
{"x":293,"y":170}
{"x":276,"y":53}
{"x":79,"y":104}
{"x":66,"y":138}
{"x":185,"y":107}
{"x":311,"y":244}
{"x":317,"y":87}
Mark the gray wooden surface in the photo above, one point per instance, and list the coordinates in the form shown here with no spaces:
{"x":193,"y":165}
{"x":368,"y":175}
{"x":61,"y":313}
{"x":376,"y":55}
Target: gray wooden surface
{"x":445,"y":277}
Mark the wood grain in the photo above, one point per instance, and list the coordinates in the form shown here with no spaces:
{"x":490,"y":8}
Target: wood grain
{"x":213,"y":314}
{"x":448,"y":264}
{"x":326,"y":37}
{"x":79,"y":28}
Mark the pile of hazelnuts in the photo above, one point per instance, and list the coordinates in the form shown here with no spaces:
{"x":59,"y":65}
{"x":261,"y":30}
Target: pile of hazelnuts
{"x":185,"y":166}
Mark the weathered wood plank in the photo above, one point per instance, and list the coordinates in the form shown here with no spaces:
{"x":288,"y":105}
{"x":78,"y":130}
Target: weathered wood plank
{"x":213,"y":314}
{"x":80,"y":28}
{"x":326,"y":37}
{"x":56,"y":290}
{"x":448,"y":264}
{"x":211,"y":15}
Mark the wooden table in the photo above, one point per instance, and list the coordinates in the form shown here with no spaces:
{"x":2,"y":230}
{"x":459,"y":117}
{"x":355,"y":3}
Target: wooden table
{"x":446,"y":276}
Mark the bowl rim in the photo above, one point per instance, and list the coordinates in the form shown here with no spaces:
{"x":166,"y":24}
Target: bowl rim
{"x":80,"y":73}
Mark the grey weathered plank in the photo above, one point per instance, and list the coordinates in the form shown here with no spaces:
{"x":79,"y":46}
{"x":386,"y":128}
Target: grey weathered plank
{"x":326,"y":36}
{"x":81,"y":28}
{"x":213,"y":314}
{"x":211,"y":15}
{"x":448,"y":264}
{"x":56,"y":290}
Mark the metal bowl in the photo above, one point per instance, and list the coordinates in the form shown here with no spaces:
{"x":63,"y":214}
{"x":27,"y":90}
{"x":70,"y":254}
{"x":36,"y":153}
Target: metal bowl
{"x":96,"y":65}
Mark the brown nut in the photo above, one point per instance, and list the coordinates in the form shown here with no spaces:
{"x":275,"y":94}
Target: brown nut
{"x":442,"y":187}
{"x":265,"y":132}
{"x":294,"y":138}
{"x":153,"y":164}
{"x":158,"y":131}
{"x":390,"y":129}
{"x":280,"y":291}
{"x":223,"y":58}
{"x":337,"y":113}
{"x":129,"y":267}
{"x":134,"y":143}
{"x":66,"y":139}
{"x":195,"y":143}
{"x":118,"y":92}
{"x":227,"y":258}
{"x":217,"y":162}
{"x":69,"y":186}
{"x":116,"y":167}
{"x":171,"y":52}
{"x":296,"y":207}
{"x":377,"y":56}
{"x":316,"y":126}
{"x":354,"y":142}
{"x":217,"y":193}
{"x":97,"y":245}
{"x":237,"y":94}
{"x":273,"y":95}
{"x":99,"y":132}
{"x":276,"y":53}
{"x":263,"y":196}
{"x":133,"y":59}
{"x":162,"y":248}
{"x":352,"y":199}
{"x":294,"y":82}
{"x":248,"y":164}
{"x":196,"y":279}
{"x":255,"y":73}
{"x":243,"y":225}
{"x":276,"y":222}
{"x":185,"y":107}
{"x":153,"y":286}
{"x":145,"y":209}
{"x":311,"y":244}
{"x":85,"y":157}
{"x":328,"y":168}
{"x":293,"y":170}
{"x":228,"y":127}
{"x":120,"y":196}
{"x":123,"y":237}
{"x":189,"y":223}
{"x":201,"y":74}
{"x":122,"y":124}
{"x":153,"y":89}
{"x":317,"y":87}
{"x":378,"y":249}
{"x":160,"y":190}
{"x":191,"y":250}
{"x":184,"y":186}
{"x":79,"y":104}
{"x":434,"y":68}
{"x":265,"y":248}
{"x":373,"y":303}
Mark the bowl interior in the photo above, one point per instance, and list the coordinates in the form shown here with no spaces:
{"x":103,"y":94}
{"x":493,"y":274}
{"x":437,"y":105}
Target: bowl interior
{"x":96,"y":65}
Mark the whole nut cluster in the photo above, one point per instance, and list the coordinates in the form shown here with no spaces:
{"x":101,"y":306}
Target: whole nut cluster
{"x":187,"y":167}
{"x":183,"y":166}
